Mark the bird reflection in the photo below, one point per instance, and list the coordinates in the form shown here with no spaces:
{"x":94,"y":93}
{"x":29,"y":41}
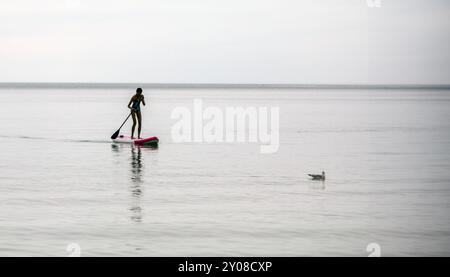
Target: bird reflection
{"x":318,"y":186}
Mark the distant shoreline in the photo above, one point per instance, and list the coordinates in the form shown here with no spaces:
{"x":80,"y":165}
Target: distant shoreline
{"x":219,"y":85}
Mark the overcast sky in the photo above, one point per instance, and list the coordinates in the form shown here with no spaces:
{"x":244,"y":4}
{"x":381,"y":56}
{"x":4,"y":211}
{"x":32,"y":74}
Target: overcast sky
{"x":225,"y":41}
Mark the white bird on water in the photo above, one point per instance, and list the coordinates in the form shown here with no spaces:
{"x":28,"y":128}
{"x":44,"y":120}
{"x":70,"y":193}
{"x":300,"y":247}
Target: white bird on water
{"x":317,"y":176}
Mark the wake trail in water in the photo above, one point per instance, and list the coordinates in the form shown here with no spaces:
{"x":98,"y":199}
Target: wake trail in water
{"x":55,"y":139}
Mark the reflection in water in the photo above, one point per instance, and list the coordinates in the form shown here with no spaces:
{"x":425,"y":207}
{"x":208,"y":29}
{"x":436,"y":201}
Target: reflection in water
{"x":136,"y":176}
{"x":115,"y":147}
{"x":318,"y":185}
{"x":137,"y":182}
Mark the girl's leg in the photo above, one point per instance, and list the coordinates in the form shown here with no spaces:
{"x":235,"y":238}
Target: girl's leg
{"x":139,"y":118}
{"x":133,"y":115}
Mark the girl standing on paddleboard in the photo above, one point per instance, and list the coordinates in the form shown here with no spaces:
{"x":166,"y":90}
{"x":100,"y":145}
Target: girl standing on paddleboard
{"x":135,"y":106}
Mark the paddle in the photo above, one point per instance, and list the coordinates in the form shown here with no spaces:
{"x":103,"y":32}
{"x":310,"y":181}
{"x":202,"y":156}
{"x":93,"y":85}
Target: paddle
{"x":116,"y":134}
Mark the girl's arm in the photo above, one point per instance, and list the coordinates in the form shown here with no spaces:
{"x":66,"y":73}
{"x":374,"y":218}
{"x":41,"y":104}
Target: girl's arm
{"x":143,"y":100}
{"x":129,"y":104}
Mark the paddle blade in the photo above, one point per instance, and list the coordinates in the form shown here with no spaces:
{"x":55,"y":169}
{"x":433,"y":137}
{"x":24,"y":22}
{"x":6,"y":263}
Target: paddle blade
{"x":116,"y":134}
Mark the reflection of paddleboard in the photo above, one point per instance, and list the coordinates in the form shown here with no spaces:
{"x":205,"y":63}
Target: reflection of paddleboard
{"x":153,"y":141}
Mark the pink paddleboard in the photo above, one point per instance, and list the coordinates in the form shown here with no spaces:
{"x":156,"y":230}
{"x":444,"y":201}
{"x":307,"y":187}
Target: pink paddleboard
{"x":153,"y":141}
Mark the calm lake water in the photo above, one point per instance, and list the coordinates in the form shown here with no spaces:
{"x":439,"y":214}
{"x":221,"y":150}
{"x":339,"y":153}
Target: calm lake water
{"x":386,"y":154}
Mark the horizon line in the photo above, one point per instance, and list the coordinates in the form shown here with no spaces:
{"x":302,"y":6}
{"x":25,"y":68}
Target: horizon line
{"x":215,"y":85}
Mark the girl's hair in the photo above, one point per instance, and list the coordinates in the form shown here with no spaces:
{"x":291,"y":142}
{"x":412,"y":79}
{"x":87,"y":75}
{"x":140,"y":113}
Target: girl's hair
{"x":138,"y":90}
